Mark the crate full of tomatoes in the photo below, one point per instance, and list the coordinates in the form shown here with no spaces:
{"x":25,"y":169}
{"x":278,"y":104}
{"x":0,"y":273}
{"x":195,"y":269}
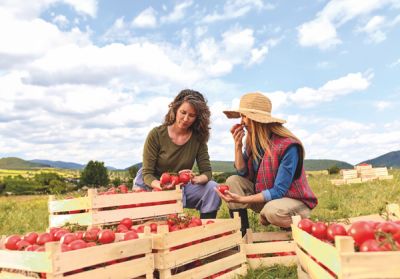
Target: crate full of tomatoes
{"x":269,"y":248}
{"x":368,"y":247}
{"x":189,"y":247}
{"x":62,"y":253}
{"x":98,"y":208}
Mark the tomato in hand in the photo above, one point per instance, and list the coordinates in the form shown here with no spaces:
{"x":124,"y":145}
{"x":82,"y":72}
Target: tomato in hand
{"x":184,"y":177}
{"x":174,"y":179}
{"x":222,"y":188}
{"x":165,"y":178}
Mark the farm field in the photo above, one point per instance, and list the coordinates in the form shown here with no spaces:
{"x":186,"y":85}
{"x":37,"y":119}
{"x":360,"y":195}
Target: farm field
{"x":21,"y":214}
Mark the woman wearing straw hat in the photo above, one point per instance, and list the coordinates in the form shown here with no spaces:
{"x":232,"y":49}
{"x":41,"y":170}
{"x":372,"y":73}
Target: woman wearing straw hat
{"x":271,"y":178}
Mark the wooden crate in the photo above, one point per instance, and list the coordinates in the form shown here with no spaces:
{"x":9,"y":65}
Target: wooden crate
{"x":215,"y":247}
{"x":348,"y":174}
{"x":338,"y":181}
{"x":360,"y":168}
{"x":385,"y":177}
{"x":318,"y":259}
{"x":353,"y":180}
{"x":269,"y":248}
{"x":131,"y":259}
{"x":95,"y":209}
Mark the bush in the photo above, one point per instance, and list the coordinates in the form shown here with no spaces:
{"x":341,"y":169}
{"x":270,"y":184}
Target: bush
{"x":334,"y":170}
{"x":94,"y":174}
{"x":22,"y":186}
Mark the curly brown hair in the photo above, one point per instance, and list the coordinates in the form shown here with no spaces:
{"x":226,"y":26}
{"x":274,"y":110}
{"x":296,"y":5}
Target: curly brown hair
{"x":201,"y":126}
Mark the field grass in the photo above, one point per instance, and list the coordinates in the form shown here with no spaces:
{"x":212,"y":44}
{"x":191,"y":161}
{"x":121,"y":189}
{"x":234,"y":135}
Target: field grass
{"x":31,"y":172}
{"x":29,"y":213}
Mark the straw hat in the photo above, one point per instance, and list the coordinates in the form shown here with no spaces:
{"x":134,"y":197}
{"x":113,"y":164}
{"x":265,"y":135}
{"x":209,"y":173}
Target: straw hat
{"x":255,"y":106}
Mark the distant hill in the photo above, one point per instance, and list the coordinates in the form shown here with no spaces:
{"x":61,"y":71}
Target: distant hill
{"x":65,"y":165}
{"x":13,"y":163}
{"x":59,"y":164}
{"x":322,"y":164}
{"x":391,"y":159}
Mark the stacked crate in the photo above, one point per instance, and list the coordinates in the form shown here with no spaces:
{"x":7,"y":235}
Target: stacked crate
{"x":318,"y":259}
{"x":205,"y":251}
{"x":125,"y":259}
{"x":269,"y":248}
{"x":362,"y":173}
{"x":97,"y":209}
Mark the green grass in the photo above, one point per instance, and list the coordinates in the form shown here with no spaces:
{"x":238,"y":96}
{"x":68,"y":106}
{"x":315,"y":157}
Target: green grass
{"x":29,"y":213}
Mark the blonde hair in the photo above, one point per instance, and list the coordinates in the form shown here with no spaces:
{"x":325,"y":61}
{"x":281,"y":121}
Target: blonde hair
{"x":259,"y":135}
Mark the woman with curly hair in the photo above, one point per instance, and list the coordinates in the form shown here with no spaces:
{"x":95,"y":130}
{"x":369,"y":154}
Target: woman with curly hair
{"x":176,"y":145}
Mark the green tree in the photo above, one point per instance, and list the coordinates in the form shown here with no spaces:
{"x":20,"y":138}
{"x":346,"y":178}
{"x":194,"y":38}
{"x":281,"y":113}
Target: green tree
{"x":57,"y":186}
{"x":94,"y":174}
{"x":45,"y":178}
{"x":334,"y":169}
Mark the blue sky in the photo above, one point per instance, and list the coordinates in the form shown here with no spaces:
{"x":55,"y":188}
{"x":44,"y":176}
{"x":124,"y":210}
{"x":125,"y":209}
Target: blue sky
{"x":87,"y":80}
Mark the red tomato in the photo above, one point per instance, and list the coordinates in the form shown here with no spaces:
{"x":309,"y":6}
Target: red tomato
{"x":68,"y":238}
{"x":334,"y":230}
{"x":22,"y":244}
{"x":31,"y":237}
{"x":165,"y":178}
{"x":44,"y":238}
{"x":32,"y":247}
{"x":222,"y":188}
{"x":305,"y":225}
{"x":372,"y":245}
{"x":77,"y":244}
{"x":210,"y":222}
{"x":388,"y":227}
{"x":106,"y":236}
{"x":174,"y":179}
{"x":131,"y":235}
{"x":153,"y":227}
{"x":90,"y":236}
{"x":361,"y":231}
{"x":184,"y":177}
{"x":127,"y":222}
{"x":123,"y":188}
{"x":121,"y":228}
{"x":196,"y":221}
{"x":58,"y":234}
{"x":11,"y":242}
{"x":140,"y":229}
{"x":319,"y":230}
{"x":79,"y":234}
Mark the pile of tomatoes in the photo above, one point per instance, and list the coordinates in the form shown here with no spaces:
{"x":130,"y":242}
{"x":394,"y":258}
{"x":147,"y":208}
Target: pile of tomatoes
{"x":369,"y":236}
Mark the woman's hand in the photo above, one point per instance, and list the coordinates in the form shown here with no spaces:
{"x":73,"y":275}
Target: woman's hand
{"x":237,"y":132}
{"x":155,"y":184}
{"x":200,"y":179}
{"x":230,"y":197}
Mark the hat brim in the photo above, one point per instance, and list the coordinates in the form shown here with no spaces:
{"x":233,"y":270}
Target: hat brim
{"x":262,"y":118}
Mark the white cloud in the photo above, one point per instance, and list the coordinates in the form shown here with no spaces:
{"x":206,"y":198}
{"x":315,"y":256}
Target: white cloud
{"x":373,"y":29}
{"x":146,"y":19}
{"x":348,"y":84}
{"x":32,"y":9}
{"x":235,"y":9}
{"x":322,"y":31}
{"x":118,"y":32}
{"x":178,"y":12}
{"x":61,"y":21}
{"x":383,"y":105}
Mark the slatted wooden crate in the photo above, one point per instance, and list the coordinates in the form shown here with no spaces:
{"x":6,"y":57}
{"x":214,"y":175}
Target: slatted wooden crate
{"x":210,"y":248}
{"x":269,"y":248}
{"x":125,"y":259}
{"x":318,"y":259}
{"x":96,"y":209}
{"x":360,"y":168}
{"x":348,"y":174}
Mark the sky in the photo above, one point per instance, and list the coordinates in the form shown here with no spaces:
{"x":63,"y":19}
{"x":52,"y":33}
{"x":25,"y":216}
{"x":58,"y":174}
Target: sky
{"x":87,"y":80}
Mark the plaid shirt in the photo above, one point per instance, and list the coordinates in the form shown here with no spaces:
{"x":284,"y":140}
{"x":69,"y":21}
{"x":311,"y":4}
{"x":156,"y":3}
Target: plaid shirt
{"x":265,"y":178}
